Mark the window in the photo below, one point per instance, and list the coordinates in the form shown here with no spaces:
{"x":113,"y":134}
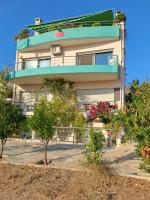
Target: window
{"x":103,"y":58}
{"x":28,"y":64}
{"x":33,"y":96}
{"x":94,"y":59}
{"x":89,"y":96}
{"x":117,"y":94}
{"x":34,"y":63}
{"x":44,"y":62}
{"x":85,"y":59}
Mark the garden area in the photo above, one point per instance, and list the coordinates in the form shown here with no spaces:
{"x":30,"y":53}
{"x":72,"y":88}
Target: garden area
{"x":37,"y":170}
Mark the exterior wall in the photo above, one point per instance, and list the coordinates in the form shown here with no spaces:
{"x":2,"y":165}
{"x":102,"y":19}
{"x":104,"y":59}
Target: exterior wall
{"x":68,"y":57}
{"x":69,"y":54}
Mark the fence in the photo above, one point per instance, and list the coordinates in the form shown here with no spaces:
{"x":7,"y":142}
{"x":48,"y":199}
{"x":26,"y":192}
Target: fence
{"x":72,"y":135}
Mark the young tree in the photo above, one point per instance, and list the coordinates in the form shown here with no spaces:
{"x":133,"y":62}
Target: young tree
{"x":48,"y":115}
{"x":42,"y":123}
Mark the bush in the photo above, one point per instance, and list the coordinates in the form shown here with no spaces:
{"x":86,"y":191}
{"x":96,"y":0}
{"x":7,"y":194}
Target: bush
{"x":94,"y":147}
{"x":144,"y":154}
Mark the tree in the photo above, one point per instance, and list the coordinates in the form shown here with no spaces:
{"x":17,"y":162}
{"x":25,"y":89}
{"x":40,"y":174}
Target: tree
{"x":50,"y":115}
{"x":60,"y":87}
{"x":5,"y":90}
{"x":11,"y":116}
{"x":66,"y":93}
{"x":42,"y":122}
{"x":137,"y":119}
{"x":11,"y":121}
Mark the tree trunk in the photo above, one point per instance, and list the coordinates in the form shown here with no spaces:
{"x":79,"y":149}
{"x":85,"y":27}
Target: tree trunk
{"x":46,"y":148}
{"x":2,"y":148}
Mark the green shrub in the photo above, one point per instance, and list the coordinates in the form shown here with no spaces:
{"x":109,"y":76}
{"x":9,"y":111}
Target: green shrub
{"x":22,"y":35}
{"x":94,"y":147}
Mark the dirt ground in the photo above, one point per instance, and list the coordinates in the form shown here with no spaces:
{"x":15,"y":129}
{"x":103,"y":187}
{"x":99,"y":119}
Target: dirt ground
{"x":28,"y":183}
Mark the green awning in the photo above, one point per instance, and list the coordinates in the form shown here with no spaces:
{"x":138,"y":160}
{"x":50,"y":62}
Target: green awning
{"x":103,"y":18}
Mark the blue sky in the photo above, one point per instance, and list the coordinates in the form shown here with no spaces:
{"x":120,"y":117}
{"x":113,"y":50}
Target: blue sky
{"x":16,"y":14}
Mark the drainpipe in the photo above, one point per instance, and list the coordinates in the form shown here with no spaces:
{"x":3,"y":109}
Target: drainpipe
{"x":122,"y":71}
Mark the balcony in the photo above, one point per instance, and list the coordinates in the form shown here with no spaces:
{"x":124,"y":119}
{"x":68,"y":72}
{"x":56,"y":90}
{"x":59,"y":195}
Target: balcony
{"x":70,"y":36}
{"x":76,"y":69}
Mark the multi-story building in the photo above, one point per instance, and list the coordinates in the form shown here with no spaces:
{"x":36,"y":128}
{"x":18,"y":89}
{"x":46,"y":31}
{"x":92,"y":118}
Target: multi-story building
{"x":87,"y":50}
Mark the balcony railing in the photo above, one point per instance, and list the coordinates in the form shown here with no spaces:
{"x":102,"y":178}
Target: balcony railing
{"x":82,"y":60}
{"x":66,"y":25}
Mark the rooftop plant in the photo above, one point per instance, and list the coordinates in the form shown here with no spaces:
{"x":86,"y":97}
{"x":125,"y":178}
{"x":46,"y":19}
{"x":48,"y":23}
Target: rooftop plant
{"x":120,"y":17}
{"x":22,"y":34}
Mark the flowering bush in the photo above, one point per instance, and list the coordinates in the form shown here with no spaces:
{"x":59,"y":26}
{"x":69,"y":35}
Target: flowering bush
{"x":101,"y":110}
{"x":145,"y":158}
{"x":145,"y":152}
{"x":137,"y":120}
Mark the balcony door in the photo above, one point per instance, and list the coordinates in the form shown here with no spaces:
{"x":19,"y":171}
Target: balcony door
{"x":85,"y":59}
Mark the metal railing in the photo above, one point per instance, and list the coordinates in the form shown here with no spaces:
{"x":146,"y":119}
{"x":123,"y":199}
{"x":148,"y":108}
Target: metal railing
{"x":61,"y":61}
{"x":26,"y":106}
{"x":73,"y":135}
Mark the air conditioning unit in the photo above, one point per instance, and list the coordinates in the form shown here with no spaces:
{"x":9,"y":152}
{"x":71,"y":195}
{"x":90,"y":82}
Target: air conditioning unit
{"x":56,"y":49}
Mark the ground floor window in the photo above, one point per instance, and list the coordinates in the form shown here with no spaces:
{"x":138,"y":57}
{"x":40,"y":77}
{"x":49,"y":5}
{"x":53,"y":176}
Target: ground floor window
{"x":90,"y":96}
{"x":33,"y":97}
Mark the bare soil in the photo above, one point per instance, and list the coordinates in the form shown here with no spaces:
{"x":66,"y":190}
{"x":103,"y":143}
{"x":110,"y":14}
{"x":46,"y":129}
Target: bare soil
{"x":38,"y":183}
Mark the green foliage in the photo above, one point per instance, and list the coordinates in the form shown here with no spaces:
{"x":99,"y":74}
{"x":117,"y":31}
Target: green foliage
{"x":60,"y":87}
{"x":11,"y":121}
{"x":145,"y":164}
{"x":80,"y":123}
{"x":11,"y":116}
{"x":43,"y":120}
{"x":120,"y":17}
{"x":22,"y":35}
{"x":5,"y":90}
{"x":94,"y":147}
{"x":137,"y":121}
{"x":48,"y":115}
{"x":61,"y":111}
